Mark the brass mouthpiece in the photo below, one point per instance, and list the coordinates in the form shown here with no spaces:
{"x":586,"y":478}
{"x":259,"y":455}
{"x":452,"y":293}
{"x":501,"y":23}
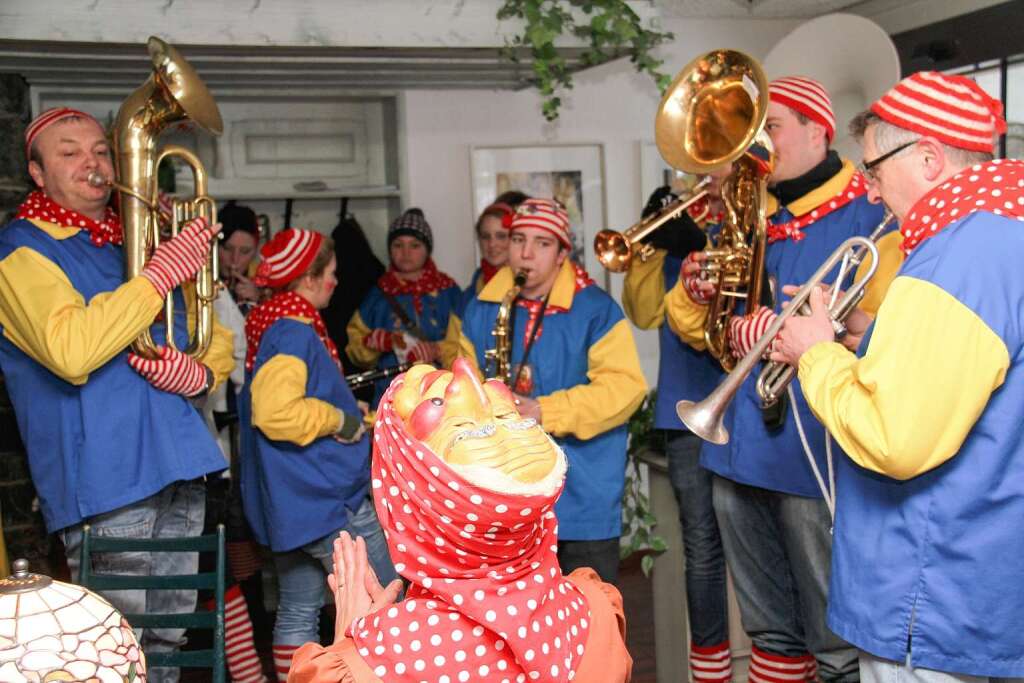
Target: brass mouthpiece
{"x":97,"y":180}
{"x":520,"y":279}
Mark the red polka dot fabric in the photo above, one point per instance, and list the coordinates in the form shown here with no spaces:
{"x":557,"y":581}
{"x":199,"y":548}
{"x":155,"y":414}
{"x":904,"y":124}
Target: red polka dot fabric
{"x":533,"y":306}
{"x":996,"y":187}
{"x":282,"y":305}
{"x":793,"y":229}
{"x":487,"y":601}
{"x":430,"y":281}
{"x":37,"y":205}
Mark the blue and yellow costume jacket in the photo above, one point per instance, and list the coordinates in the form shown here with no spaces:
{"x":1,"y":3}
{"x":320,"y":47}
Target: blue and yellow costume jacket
{"x":375,"y":312}
{"x":775,"y":459}
{"x":683,"y":372}
{"x":476,"y":283}
{"x":928,"y":538}
{"x":98,"y":435}
{"x":588,"y":381}
{"x":298,"y":483}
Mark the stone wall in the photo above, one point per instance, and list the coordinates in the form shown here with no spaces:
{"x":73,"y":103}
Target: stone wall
{"x":22,"y":524}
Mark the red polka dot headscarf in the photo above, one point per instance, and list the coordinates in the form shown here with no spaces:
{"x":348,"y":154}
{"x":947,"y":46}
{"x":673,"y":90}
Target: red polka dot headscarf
{"x":488,"y":601}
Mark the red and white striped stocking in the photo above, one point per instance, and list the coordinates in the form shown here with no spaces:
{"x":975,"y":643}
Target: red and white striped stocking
{"x":711,"y":664}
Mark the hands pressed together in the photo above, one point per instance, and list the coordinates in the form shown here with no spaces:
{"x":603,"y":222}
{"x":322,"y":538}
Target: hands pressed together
{"x":357,"y":591}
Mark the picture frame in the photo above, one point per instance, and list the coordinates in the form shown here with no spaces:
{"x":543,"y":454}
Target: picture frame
{"x":572,"y":173}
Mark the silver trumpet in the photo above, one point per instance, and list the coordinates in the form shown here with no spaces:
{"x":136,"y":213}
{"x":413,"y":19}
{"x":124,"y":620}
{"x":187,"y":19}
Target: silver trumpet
{"x":705,"y":418}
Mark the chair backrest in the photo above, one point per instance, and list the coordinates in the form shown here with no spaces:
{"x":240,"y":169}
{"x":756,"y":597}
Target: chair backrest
{"x":212,"y":658}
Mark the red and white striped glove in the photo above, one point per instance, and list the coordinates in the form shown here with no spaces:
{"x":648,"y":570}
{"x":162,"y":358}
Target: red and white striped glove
{"x":380,"y":340}
{"x":177,"y":260}
{"x":421,"y":351}
{"x":744,"y":331}
{"x":173,"y":372}
{"x":690,"y":281}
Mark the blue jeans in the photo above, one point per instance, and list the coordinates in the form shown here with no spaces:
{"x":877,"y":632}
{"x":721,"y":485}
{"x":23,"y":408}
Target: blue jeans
{"x":301,"y":576}
{"x":779,"y":549}
{"x":702,"y":544}
{"x":176,"y":511}
{"x":877,"y":670}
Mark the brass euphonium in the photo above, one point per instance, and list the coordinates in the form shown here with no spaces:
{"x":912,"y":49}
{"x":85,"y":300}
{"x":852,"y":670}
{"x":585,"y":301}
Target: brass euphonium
{"x":711,"y":116}
{"x":499,"y":359}
{"x":172,"y":93}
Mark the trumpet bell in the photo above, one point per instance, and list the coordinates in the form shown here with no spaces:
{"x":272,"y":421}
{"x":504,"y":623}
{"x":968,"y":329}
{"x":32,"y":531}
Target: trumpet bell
{"x":704,"y":421}
{"x":613,"y":250}
{"x":712,"y":111}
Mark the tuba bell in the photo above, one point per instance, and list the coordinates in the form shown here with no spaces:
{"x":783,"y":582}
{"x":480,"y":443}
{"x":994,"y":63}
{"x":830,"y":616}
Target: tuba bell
{"x":712,"y":116}
{"x":172,"y":93}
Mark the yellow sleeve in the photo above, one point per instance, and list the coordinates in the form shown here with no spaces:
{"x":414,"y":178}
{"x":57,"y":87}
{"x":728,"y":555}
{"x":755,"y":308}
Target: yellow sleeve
{"x":890,"y":258}
{"x":47,"y":318}
{"x":685,"y":317}
{"x":220,"y":356}
{"x":280,"y":407}
{"x":893,"y":411}
{"x":449,"y":346}
{"x":614,"y":392}
{"x":360,"y":354}
{"x":643,"y":292}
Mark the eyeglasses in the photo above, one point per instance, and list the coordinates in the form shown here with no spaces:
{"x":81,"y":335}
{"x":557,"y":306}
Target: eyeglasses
{"x":867,"y":168}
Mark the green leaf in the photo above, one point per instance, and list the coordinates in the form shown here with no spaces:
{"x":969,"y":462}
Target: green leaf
{"x":647,"y":564}
{"x":658,"y":544}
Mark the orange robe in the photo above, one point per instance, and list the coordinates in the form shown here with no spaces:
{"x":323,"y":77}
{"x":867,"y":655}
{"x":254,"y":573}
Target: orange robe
{"x":605,"y":659}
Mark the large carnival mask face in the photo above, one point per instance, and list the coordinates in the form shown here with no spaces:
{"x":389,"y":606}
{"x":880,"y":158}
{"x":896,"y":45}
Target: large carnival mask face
{"x":467,"y":423}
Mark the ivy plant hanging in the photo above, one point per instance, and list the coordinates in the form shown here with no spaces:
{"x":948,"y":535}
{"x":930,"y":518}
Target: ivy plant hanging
{"x":610,"y":28}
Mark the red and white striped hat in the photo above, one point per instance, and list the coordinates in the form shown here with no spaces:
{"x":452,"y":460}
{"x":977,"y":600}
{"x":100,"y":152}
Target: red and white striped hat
{"x":287,"y":256}
{"x":47,"y":119}
{"x":546,"y":214}
{"x":953,"y":109}
{"x":806,"y":96}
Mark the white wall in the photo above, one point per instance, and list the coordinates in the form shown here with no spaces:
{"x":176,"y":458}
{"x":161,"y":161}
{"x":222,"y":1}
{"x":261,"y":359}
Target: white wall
{"x":611,"y":105}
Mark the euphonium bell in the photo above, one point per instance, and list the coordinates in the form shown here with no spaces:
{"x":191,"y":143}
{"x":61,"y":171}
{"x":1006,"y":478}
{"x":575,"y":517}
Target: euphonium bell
{"x":172,"y":93}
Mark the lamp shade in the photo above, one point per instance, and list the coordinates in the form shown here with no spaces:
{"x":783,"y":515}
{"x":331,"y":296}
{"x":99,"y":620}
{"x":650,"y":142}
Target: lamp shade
{"x":55,"y":631}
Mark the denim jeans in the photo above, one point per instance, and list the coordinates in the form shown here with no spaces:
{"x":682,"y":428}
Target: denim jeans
{"x":877,"y":670}
{"x":702,"y":544}
{"x":601,"y":556}
{"x":301,"y":576}
{"x":175,"y":511}
{"x":779,"y":548}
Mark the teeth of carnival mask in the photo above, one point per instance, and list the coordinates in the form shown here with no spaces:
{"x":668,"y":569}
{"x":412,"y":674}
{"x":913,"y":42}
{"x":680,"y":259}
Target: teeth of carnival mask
{"x":467,"y":423}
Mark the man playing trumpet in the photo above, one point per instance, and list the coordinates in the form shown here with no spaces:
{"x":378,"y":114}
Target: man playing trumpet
{"x":926,"y":578}
{"x":112,"y":439}
{"x":774,"y":522}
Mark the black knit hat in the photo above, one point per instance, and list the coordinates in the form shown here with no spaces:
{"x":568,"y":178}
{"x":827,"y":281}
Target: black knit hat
{"x":414,"y":224}
{"x":236,"y":217}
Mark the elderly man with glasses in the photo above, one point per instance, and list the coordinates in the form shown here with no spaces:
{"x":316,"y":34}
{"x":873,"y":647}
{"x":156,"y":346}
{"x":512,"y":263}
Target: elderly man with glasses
{"x":930,"y":408}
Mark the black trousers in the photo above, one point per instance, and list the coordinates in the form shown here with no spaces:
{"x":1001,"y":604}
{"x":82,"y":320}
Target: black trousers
{"x":601,"y":556}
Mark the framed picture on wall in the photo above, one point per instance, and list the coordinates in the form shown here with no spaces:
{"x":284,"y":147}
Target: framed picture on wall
{"x":571,"y":173}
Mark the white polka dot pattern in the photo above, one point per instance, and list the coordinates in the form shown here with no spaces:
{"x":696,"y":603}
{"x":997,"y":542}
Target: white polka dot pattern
{"x":996,"y":187}
{"x":487,"y":601}
{"x":793,"y":229}
{"x":37,"y":205}
{"x":282,"y":305}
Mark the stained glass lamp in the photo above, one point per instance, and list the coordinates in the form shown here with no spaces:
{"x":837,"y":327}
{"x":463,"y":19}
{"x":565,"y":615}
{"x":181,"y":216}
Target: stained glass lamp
{"x":55,"y":631}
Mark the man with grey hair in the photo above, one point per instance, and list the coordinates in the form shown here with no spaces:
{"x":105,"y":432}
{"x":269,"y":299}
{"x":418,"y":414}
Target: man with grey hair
{"x":930,"y":409}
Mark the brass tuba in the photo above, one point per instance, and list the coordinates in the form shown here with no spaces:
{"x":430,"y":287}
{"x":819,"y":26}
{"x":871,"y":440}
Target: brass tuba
{"x":172,"y":93}
{"x":711,"y":116}
{"x":499,"y":359}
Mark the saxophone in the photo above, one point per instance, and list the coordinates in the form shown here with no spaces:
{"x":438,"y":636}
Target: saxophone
{"x":499,"y":359}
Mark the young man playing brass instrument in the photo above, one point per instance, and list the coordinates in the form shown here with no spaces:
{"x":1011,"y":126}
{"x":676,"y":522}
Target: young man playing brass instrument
{"x":575,"y":370}
{"x":774,"y":522}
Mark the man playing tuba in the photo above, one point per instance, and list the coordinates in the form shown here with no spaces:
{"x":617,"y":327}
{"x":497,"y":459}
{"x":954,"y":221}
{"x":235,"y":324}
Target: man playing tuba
{"x":774,"y":523}
{"x":112,"y":438}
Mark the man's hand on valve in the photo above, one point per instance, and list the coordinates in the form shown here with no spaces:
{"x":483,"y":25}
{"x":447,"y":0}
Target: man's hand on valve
{"x":800,"y":332}
{"x":699,"y":290}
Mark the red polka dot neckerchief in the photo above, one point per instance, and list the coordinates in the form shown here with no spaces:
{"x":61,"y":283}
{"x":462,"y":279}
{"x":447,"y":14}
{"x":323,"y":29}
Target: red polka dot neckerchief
{"x":996,"y":187}
{"x":431,"y":280}
{"x":793,"y":228}
{"x":282,"y":305}
{"x":487,"y":601}
{"x":39,"y":206}
{"x":533,"y":306}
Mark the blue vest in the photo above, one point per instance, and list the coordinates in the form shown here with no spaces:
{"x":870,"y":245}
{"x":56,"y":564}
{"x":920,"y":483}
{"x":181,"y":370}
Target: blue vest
{"x":433,"y":320}
{"x":469,"y":293}
{"x":937,"y":558}
{"x":293,"y":495}
{"x":775,"y":459}
{"x":683,"y":373}
{"x":114,"y":440}
{"x":590,"y":507}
